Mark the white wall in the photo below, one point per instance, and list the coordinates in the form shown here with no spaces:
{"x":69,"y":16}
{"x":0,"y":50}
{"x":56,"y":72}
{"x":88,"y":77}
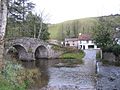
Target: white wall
{"x":85,"y":44}
{"x":71,"y":43}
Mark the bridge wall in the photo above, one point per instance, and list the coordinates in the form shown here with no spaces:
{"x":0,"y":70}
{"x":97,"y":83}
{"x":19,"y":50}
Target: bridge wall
{"x":30,"y":49}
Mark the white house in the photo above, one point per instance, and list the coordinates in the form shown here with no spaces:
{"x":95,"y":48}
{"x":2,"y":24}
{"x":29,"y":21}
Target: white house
{"x":85,"y":42}
{"x":73,"y":42}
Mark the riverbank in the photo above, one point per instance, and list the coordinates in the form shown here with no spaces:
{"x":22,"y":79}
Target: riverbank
{"x":108,"y":77}
{"x":71,"y":59}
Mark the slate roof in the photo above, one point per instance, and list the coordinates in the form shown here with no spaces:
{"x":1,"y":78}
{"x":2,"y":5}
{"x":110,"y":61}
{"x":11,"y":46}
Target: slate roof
{"x":71,"y":39}
{"x":84,"y":37}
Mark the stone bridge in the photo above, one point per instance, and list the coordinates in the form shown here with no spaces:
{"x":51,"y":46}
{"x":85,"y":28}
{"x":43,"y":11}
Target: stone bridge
{"x":31,"y":48}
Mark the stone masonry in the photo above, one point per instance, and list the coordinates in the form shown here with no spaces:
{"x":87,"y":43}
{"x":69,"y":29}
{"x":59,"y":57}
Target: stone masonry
{"x":31,"y":48}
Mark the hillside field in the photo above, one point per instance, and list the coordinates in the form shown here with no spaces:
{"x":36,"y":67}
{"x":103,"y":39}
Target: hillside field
{"x":74,"y":27}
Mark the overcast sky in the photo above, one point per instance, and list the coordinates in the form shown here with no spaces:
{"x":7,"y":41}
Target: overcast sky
{"x":62,"y":10}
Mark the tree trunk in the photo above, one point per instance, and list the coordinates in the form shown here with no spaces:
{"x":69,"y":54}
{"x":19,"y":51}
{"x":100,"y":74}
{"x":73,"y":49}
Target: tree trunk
{"x":3,"y":21}
{"x":40,"y":29}
{"x":34,"y":31}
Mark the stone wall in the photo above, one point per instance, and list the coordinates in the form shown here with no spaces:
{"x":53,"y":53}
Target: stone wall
{"x":53,"y":54}
{"x":109,"y":57}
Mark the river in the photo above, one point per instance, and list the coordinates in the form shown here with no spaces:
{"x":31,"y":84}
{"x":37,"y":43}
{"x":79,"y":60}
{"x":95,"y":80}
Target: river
{"x":79,"y":77}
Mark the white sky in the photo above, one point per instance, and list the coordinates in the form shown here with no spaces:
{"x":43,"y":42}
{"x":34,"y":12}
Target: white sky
{"x":62,"y":10}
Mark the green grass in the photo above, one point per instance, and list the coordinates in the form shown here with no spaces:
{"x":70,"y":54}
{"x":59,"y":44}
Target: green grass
{"x":5,"y":85}
{"x":73,"y":55}
{"x":54,"y":31}
{"x":72,"y":58}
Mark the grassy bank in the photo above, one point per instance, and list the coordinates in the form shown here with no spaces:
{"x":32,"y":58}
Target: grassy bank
{"x":72,"y":58}
{"x":15,"y":77}
{"x":73,"y":55}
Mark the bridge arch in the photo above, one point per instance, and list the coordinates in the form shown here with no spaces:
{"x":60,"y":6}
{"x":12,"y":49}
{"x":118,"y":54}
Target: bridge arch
{"x":22,"y":52}
{"x":41,"y":52}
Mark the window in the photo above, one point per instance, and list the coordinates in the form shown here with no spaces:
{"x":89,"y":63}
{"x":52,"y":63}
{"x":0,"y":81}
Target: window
{"x":73,"y":43}
{"x":67,"y":44}
{"x":87,"y":41}
{"x":92,"y":41}
{"x":80,"y":46}
{"x":90,"y":46}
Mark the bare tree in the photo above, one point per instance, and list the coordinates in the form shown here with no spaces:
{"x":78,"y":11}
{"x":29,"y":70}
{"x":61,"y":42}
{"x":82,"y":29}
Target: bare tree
{"x":3,"y":20}
{"x":41,"y":22}
{"x":42,"y":19}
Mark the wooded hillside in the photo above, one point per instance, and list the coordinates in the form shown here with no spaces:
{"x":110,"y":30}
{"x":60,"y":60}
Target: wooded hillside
{"x":73,"y":27}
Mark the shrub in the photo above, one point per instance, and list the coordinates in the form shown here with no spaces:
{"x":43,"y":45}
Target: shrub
{"x":108,"y":49}
{"x":15,"y":77}
{"x":116,"y":50}
{"x":13,"y":74}
{"x":5,"y":85}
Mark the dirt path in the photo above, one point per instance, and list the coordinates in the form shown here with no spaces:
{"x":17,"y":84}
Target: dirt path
{"x":75,"y":78}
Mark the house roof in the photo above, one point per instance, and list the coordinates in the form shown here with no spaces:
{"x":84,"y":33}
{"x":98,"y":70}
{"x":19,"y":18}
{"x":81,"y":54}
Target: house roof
{"x":84,"y":37}
{"x":71,"y":39}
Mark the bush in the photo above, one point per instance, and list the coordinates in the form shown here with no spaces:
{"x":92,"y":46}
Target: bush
{"x":116,"y":50}
{"x":13,"y":74}
{"x":5,"y":85}
{"x":15,"y":77}
{"x":108,"y":49}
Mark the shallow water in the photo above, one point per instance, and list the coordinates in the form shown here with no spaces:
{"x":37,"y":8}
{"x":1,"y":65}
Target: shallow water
{"x":80,"y":77}
{"x":56,"y":77}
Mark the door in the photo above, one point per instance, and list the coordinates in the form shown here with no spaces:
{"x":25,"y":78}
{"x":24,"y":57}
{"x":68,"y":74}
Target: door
{"x":83,"y":46}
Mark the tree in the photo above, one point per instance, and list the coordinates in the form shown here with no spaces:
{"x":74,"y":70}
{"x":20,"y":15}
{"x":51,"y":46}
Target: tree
{"x":75,"y":28}
{"x":18,"y":9}
{"x":103,"y":34}
{"x":68,"y":31}
{"x":44,"y":32}
{"x":42,"y":18}
{"x":17,"y":12}
{"x":62,"y":32}
{"x":3,"y":20}
{"x":36,"y":28}
{"x":32,"y":24}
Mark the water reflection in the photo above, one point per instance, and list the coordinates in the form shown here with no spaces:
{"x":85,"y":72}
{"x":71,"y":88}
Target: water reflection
{"x":42,"y":65}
